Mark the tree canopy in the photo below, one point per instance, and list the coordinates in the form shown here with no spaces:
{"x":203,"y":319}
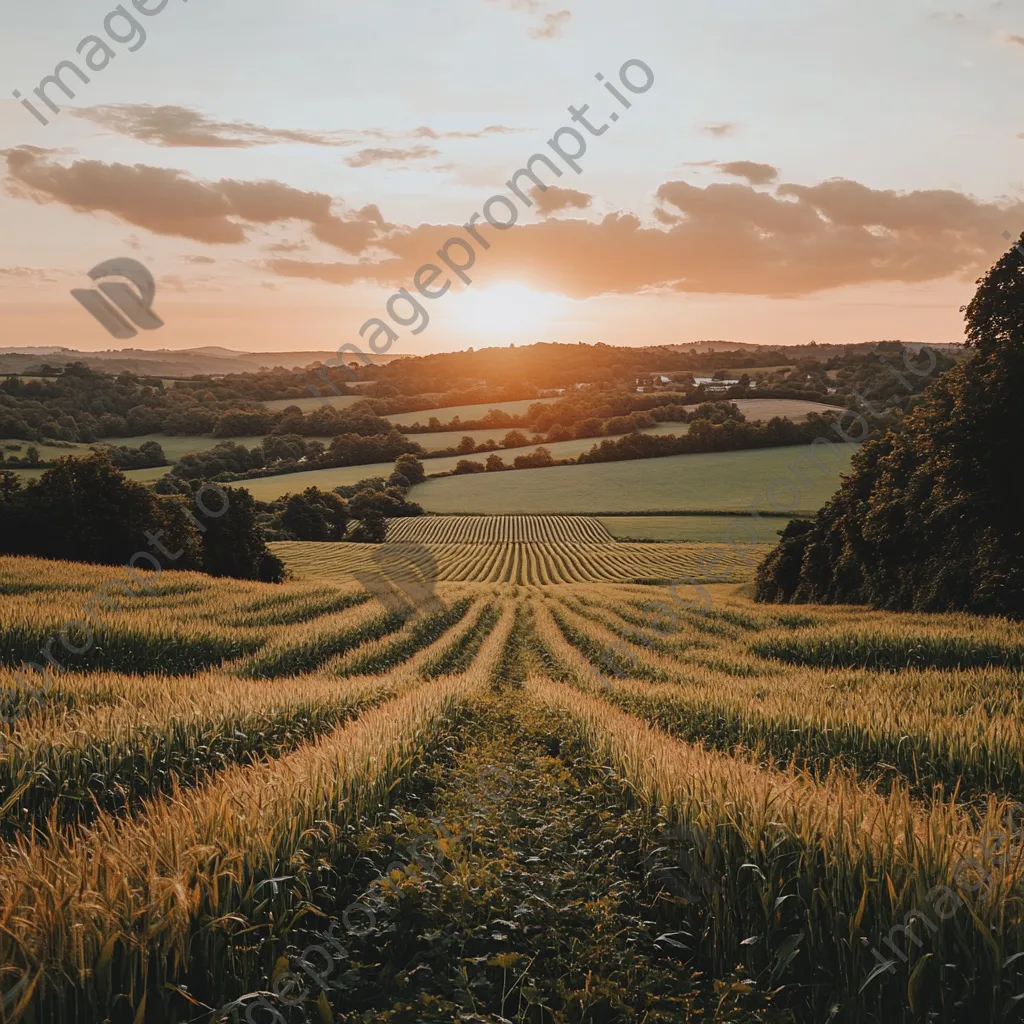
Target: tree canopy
{"x":930,"y":517}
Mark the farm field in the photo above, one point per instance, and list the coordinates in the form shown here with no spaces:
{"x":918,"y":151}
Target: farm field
{"x":596,"y":801}
{"x":765,"y":408}
{"x":699,"y":529}
{"x":142,"y":476}
{"x":465,"y":412}
{"x":270,"y":487}
{"x":535,"y":563}
{"x":725,"y":481}
{"x":439,"y":440}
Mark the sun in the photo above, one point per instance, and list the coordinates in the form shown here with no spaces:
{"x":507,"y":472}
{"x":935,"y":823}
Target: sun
{"x":504,"y":309}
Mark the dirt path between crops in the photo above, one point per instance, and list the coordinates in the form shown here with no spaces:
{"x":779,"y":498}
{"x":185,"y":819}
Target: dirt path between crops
{"x":517,"y":892}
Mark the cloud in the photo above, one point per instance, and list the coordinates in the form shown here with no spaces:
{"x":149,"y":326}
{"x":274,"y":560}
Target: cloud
{"x":756,"y":174}
{"x":173,"y":126}
{"x":287,"y":247}
{"x":424,"y":132}
{"x":553,"y":25}
{"x":170,"y":202}
{"x":720,"y":129}
{"x":722,"y":239}
{"x":183,"y":127}
{"x":197,"y":259}
{"x":369,"y":157}
{"x":27,"y":273}
{"x":1016,"y":40}
{"x":556,"y":198}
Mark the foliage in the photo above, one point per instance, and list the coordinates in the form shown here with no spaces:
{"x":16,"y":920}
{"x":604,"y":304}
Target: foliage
{"x":929,"y":519}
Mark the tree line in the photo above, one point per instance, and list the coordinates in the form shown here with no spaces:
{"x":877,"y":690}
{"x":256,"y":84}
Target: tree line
{"x":930,"y":517}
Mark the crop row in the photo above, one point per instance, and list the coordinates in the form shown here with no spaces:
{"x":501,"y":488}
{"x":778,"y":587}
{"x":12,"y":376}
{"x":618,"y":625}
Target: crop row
{"x":163,"y":733}
{"x":812,"y":877}
{"x":499,"y":530}
{"x":533,"y":564}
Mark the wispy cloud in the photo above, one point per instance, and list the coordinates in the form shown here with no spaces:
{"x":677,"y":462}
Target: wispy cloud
{"x":720,"y":129}
{"x":183,"y":127}
{"x":553,"y":25}
{"x":369,"y":157}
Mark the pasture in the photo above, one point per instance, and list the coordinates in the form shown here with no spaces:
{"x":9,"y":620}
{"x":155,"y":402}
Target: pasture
{"x":532,"y":801}
{"x":715,"y":481}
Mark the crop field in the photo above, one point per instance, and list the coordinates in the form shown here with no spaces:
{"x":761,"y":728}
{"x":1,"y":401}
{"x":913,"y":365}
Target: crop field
{"x":795,"y":409}
{"x":538,"y":564}
{"x":598,"y":801}
{"x":704,"y":529}
{"x":716,"y":481}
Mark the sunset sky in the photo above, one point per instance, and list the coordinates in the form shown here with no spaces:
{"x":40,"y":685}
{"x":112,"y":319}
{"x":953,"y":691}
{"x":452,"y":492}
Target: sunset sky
{"x":802,"y":170}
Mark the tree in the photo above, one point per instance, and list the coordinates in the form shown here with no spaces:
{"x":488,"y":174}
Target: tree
{"x":466,"y":446}
{"x":371,"y":529}
{"x":929,"y":519}
{"x":514,"y":439}
{"x":468,"y":466}
{"x":494,"y":464}
{"x":233,"y":544}
{"x":315,"y":515}
{"x":411,"y":468}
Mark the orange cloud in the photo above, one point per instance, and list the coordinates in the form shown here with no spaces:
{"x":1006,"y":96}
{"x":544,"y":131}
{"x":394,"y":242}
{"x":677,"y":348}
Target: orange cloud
{"x":556,"y":198}
{"x":756,"y":174}
{"x":720,"y":239}
{"x":169,"y":202}
{"x":723,"y":238}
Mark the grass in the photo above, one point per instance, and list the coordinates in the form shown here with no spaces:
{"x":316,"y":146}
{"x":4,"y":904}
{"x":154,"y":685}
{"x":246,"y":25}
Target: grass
{"x":465,"y":412}
{"x":727,"y":481}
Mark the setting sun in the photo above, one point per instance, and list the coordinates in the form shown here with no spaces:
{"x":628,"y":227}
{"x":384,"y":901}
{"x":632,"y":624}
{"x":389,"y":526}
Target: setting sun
{"x":505,"y":309}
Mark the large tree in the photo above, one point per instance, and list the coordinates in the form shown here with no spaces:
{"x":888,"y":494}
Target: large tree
{"x":930,"y":518}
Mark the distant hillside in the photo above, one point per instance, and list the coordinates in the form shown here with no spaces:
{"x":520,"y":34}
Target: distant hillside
{"x":210,"y":359}
{"x":812,"y":350}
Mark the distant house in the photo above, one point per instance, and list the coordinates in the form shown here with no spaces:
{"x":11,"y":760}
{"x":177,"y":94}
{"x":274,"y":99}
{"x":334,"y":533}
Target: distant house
{"x":711,"y":384}
{"x":654,"y":380}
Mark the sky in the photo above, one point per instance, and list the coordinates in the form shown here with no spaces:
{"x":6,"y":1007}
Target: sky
{"x":805,"y":170}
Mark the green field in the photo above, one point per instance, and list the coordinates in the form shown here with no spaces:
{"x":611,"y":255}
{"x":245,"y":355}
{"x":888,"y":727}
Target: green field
{"x":795,"y":409}
{"x":694,"y":529}
{"x":47,"y":452}
{"x":143,"y":476}
{"x":726,"y":481}
{"x":464,"y":412}
{"x":271,"y":487}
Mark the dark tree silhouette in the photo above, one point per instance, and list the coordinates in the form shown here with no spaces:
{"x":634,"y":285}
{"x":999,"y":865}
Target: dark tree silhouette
{"x":930,"y":518}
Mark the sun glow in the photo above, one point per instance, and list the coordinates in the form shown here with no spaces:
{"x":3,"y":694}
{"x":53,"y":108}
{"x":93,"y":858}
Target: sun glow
{"x":505,"y":309}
